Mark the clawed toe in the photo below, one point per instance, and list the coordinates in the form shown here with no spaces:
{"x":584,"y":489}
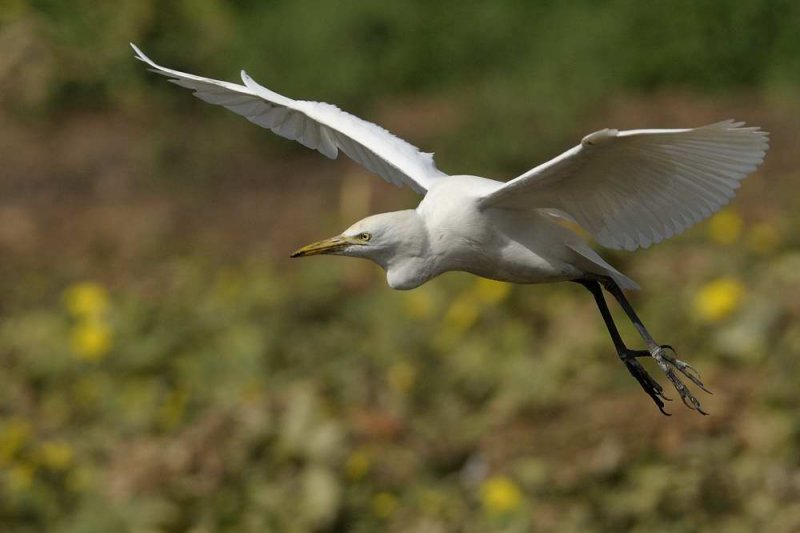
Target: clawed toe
{"x":688,"y":398}
{"x":668,"y":365}
{"x":650,"y":385}
{"x":683,"y":367}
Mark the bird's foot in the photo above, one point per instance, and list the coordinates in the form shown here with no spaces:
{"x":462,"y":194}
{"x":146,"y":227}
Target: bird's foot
{"x":669,"y":364}
{"x":650,"y":385}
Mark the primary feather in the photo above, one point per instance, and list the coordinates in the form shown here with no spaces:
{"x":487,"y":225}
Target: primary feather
{"x":635,"y":188}
{"x":317,"y":125}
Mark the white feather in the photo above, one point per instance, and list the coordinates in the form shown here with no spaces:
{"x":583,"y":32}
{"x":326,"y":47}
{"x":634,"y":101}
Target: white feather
{"x":634,"y":188}
{"x":320,"y":126}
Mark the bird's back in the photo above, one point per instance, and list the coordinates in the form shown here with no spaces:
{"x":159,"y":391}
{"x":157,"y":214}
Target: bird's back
{"x":519,"y":246}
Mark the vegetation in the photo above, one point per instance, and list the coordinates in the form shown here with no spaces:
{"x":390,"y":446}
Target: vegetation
{"x":166,"y":368}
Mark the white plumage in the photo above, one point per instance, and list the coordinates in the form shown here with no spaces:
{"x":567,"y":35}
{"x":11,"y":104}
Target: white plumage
{"x":635,"y":188}
{"x":317,"y":125}
{"x":628,"y":189}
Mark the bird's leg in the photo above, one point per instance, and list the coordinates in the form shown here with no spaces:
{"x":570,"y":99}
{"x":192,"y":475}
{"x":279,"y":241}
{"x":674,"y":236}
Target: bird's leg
{"x":660,"y":352}
{"x":628,"y":356}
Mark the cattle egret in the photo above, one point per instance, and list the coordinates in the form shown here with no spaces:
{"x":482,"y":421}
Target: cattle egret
{"x":628,"y":189}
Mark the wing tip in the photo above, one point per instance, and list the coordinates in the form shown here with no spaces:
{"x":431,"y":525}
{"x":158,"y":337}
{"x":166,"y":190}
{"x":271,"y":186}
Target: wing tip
{"x":738,"y":125}
{"x":253,"y":85}
{"x":141,"y":56}
{"x":759,"y":138}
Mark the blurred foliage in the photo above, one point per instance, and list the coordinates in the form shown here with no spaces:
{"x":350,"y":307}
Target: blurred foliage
{"x":159,"y":373}
{"x":244,"y":400}
{"x":523,"y":68}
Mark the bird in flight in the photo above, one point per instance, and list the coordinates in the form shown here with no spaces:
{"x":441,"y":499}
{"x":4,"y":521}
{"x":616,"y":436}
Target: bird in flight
{"x":628,"y":189}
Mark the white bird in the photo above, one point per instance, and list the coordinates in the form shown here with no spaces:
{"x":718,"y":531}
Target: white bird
{"x":628,"y":189}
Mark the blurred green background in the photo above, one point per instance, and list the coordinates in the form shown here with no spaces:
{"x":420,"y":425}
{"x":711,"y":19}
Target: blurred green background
{"x":165,"y":367}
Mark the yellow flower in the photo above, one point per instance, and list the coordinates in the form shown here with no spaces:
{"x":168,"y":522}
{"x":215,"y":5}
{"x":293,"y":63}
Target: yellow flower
{"x":90,"y":340}
{"x":13,"y":436}
{"x":56,"y":455}
{"x":357,"y":465}
{"x":490,"y":291}
{"x":763,"y":238}
{"x":718,"y":299}
{"x":384,"y":504}
{"x":500,"y":495}
{"x":20,"y":477}
{"x":725,"y":227}
{"x":86,"y":299}
{"x":402,"y":377}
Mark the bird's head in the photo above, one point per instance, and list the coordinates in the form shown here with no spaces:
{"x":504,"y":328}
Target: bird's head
{"x":380,"y":238}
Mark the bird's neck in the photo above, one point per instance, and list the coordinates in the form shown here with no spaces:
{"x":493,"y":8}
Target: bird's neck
{"x":409,"y":265}
{"x":404,"y":273}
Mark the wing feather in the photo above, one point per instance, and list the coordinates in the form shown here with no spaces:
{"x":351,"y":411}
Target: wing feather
{"x":317,"y":125}
{"x":635,"y":188}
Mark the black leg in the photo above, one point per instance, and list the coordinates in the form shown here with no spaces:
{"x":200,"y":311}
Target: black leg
{"x":666,"y":362}
{"x":650,"y":385}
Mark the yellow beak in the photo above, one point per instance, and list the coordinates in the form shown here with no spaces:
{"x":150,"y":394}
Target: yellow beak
{"x":328,"y":246}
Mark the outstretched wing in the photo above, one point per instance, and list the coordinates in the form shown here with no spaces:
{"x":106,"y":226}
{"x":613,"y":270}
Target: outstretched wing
{"x":635,"y":188}
{"x":323,"y":127}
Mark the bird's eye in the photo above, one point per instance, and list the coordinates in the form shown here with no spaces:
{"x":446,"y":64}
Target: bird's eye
{"x":364,"y":236}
